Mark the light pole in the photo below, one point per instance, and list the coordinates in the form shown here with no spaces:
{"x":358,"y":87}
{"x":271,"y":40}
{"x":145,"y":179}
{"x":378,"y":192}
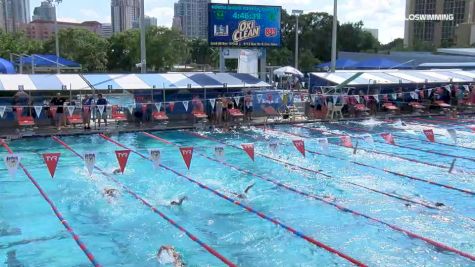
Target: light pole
{"x":334,"y":33}
{"x":56,"y":30}
{"x":297,"y":14}
{"x":143,"y":51}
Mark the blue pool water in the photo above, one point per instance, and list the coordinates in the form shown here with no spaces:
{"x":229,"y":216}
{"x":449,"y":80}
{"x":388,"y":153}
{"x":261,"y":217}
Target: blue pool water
{"x":124,"y":232}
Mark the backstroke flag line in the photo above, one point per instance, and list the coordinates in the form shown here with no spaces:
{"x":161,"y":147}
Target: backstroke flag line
{"x":346,"y":141}
{"x":90,"y":161}
{"x":51,"y":161}
{"x":38,"y":110}
{"x":155,"y":157}
{"x":12,"y":161}
{"x":122,"y":158}
{"x":187,"y":154}
{"x":368,"y":139}
{"x":219,"y":152}
{"x":300,"y":145}
{"x":273,"y":147}
{"x":430,"y":135}
{"x":2,"y":111}
{"x":322,"y":143}
{"x":249,"y":148}
{"x":453,"y":134}
{"x":388,"y":138}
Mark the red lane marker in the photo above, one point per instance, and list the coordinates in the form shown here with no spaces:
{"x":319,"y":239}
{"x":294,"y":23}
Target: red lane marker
{"x":250,"y":209}
{"x":394,"y":227}
{"x":154,"y":209}
{"x":60,"y":217}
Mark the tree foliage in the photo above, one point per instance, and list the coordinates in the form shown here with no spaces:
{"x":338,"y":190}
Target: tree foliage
{"x":17,"y":43}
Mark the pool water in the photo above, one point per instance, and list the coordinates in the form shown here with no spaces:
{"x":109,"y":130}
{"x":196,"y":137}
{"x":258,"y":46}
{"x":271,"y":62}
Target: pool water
{"x":124,"y":232}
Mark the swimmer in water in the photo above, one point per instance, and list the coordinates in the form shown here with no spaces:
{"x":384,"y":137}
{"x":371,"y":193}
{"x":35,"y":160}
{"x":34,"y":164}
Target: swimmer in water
{"x":168,"y":255}
{"x":179,"y":202}
{"x":110,"y":192}
{"x":117,"y":171}
{"x":329,"y":198}
{"x":242,"y":196}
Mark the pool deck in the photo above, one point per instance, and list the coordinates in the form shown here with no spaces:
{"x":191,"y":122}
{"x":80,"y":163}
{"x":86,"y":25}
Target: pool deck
{"x":46,"y":131}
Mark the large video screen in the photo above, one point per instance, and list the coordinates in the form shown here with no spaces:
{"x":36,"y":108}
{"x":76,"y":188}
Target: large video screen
{"x":244,"y":25}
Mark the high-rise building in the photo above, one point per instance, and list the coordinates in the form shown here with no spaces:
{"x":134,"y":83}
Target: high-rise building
{"x":124,"y":13}
{"x":439,"y":33}
{"x":45,"y":30}
{"x":148,"y":21}
{"x":46,"y":11}
{"x":2,"y":16}
{"x":106,"y":30}
{"x":15,"y":14}
{"x":193,"y":17}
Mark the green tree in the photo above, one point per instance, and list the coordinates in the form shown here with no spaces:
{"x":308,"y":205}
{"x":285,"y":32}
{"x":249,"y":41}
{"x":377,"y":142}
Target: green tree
{"x":165,"y":48}
{"x":17,"y":43}
{"x":82,"y":46}
{"x":124,"y":51}
{"x":202,"y":53}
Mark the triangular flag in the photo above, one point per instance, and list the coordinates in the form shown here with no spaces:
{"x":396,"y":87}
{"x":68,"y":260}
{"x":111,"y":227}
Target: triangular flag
{"x":346,"y":141}
{"x":368,"y":139}
{"x":300,"y":145}
{"x":53,"y":110}
{"x":219,"y":152}
{"x":291,"y":96}
{"x":2,"y":111}
{"x":90,"y":161}
{"x":19,"y":111}
{"x":394,"y":96}
{"x":322,"y":143}
{"x":158,"y":106}
{"x":472,"y":128}
{"x":453,"y":134}
{"x":448,"y":88}
{"x":249,"y":148}
{"x":131,"y":107}
{"x":12,"y":161}
{"x":335,"y":99}
{"x":71,"y":110}
{"x":122,"y":158}
{"x":187,"y":154}
{"x":212,"y":102}
{"x":259,"y":98}
{"x":101,"y":109}
{"x":312,"y":97}
{"x":51,"y":160}
{"x":38,"y":110}
{"x":171,"y":106}
{"x":237,"y":99}
{"x":144,"y":108}
{"x":388,"y":138}
{"x":414,"y":95}
{"x":429,"y":134}
{"x":155,"y":157}
{"x":273,"y":147}
{"x":429,"y":92}
{"x":281,"y":94}
{"x":186,"y":104}
{"x":376,"y":97}
{"x":357,"y":97}
{"x":467,"y":88}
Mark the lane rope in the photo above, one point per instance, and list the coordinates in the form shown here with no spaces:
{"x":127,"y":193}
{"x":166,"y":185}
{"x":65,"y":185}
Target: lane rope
{"x":154,"y":209}
{"x":58,"y":214}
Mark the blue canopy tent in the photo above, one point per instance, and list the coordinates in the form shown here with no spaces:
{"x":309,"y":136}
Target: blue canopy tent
{"x":341,"y":63}
{"x":48,"y":62}
{"x":6,"y":67}
{"x":381,"y":63}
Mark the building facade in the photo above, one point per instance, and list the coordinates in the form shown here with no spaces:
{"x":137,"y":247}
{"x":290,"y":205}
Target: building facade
{"x":106,"y":30}
{"x":124,"y":14}
{"x":44,"y":30}
{"x":439,"y":33}
{"x":192,"y":17}
{"x":15,"y":13}
{"x":148,"y":21}
{"x":46,"y":11}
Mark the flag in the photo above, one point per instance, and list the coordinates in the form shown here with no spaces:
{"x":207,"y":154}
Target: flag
{"x":429,"y":134}
{"x":144,"y":108}
{"x":249,"y":148}
{"x":51,"y":160}
{"x":101,"y":109}
{"x":259,"y":98}
{"x":236,"y":99}
{"x":447,"y":87}
{"x":187,"y":154}
{"x":300,"y":145}
{"x":376,"y":97}
{"x":171,"y":106}
{"x":71,"y":110}
{"x":429,"y":92}
{"x":185,"y":104}
{"x":212,"y":102}
{"x":335,"y":99}
{"x":90,"y":161}
{"x":346,"y":141}
{"x":12,"y":161}
{"x":453,"y":134}
{"x":122,"y":158}
{"x":38,"y":110}
{"x":357,"y":97}
{"x":158,"y":106}
{"x":131,"y":107}
{"x":394,"y":96}
{"x":368,"y":139}
{"x":467,"y":88}
{"x":155,"y":157}
{"x":53,"y":110}
{"x":2,"y":111}
{"x":323,"y":143}
{"x":273,"y":147}
{"x":388,"y":138}
{"x":219,"y":152}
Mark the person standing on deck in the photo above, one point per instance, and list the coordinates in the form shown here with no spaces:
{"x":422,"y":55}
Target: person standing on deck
{"x":86,"y":112}
{"x":248,"y":106}
{"x":58,"y":102}
{"x":101,"y":102}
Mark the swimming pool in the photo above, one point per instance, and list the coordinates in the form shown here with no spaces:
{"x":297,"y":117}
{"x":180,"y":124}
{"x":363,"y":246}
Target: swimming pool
{"x":380,"y":206}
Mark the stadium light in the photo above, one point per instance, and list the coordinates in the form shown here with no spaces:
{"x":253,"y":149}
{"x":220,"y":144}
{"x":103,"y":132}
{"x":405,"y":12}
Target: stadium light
{"x":297,"y":13}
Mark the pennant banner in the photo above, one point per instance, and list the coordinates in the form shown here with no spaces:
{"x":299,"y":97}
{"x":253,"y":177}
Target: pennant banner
{"x":376,"y":97}
{"x":249,"y":148}
{"x":53,"y":111}
{"x":429,"y":92}
{"x":322,"y":143}
{"x":281,"y":95}
{"x":212,"y":102}
{"x":429,"y":134}
{"x":335,"y":99}
{"x":12,"y":161}
{"x":101,"y":109}
{"x":273,"y":147}
{"x":467,"y":88}
{"x":368,"y":139}
{"x":300,"y":145}
{"x":2,"y":111}
{"x":447,"y":87}
{"x":237,"y":99}
{"x":90,"y":161}
{"x":187,"y":154}
{"x":171,"y":106}
{"x":357,"y":98}
{"x":122,"y":158}
{"x":158,"y":106}
{"x":131,"y":107}
{"x":51,"y":160}
{"x":388,"y":138}
{"x":186,"y":104}
{"x":71,"y":110}
{"x":144,"y":108}
{"x":155,"y":157}
{"x":394,"y":96}
{"x":453,"y":134}
{"x":472,"y":128}
{"x":346,"y":141}
{"x":219,"y":152}
{"x":38,"y":110}
{"x":259,"y":98}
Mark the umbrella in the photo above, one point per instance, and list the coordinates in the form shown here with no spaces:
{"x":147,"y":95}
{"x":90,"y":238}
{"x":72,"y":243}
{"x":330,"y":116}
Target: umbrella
{"x":287,"y":71}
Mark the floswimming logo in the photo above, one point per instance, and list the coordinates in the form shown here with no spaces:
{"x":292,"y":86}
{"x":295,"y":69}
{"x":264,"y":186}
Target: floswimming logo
{"x":246,"y":30}
{"x":270,"y":32}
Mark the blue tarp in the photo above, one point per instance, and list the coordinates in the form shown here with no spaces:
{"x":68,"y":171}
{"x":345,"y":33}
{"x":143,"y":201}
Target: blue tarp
{"x":48,"y":61}
{"x":6,"y":67}
{"x":381,"y":63}
{"x":340,"y":64}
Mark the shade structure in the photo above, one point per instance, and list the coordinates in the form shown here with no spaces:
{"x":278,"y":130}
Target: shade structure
{"x":340,"y":64}
{"x":6,"y":67}
{"x":380,"y":63}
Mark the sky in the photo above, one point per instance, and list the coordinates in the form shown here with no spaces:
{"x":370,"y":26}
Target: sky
{"x":386,"y":15}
